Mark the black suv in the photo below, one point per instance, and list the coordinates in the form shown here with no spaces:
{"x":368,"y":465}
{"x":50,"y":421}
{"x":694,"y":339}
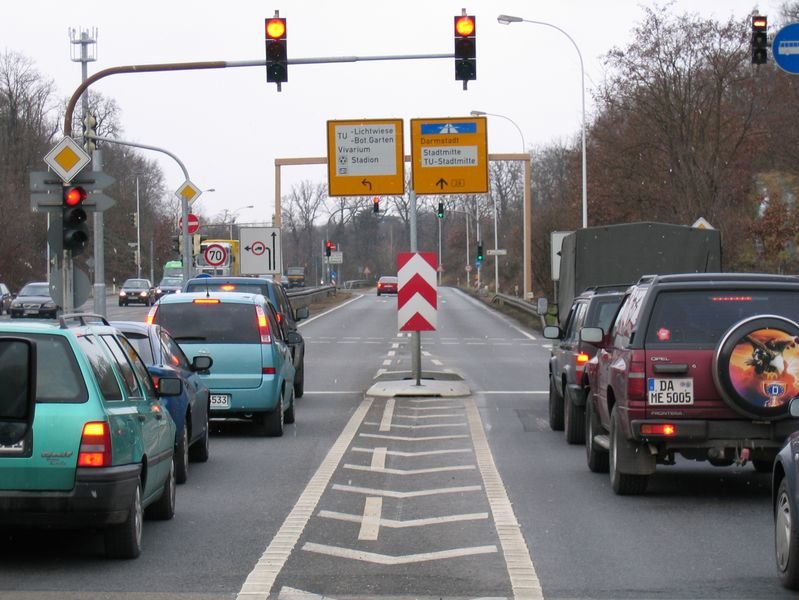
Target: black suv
{"x":568,"y":382}
{"x":702,"y":365}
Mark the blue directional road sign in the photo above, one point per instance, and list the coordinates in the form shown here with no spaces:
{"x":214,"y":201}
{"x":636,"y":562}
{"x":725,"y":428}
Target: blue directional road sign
{"x":785,"y":48}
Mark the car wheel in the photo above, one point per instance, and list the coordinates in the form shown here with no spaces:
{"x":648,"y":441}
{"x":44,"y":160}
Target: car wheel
{"x":573,"y":419}
{"x":288,"y":417}
{"x":163,"y":509}
{"x":124,"y":540}
{"x":555,"y":407}
{"x":596,"y":456}
{"x":272,"y":422}
{"x":200,"y":450}
{"x":786,"y":537}
{"x":182,"y":454}
{"x":624,"y":484}
{"x":299,"y":380}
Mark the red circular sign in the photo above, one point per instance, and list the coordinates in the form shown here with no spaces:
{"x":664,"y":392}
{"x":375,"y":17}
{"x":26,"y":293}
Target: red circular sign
{"x":194,"y":223}
{"x":215,"y":255}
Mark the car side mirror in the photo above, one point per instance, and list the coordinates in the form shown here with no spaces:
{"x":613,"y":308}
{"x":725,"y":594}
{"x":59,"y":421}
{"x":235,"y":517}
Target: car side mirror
{"x":170,"y":386}
{"x":201,"y":363}
{"x":18,"y":400}
{"x":293,"y":338}
{"x":592,"y":335}
{"x":552,"y":332}
{"x":301,"y":313}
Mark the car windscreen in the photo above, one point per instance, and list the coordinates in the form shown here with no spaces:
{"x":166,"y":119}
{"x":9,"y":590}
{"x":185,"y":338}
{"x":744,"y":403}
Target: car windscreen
{"x":38,"y":289}
{"x":212,"y":323}
{"x":241,"y":288}
{"x":171,"y":281}
{"x":136,"y":284}
{"x":58,"y":376}
{"x":703,"y":316}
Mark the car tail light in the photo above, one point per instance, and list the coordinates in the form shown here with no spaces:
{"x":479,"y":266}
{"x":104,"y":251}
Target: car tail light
{"x":151,"y":315}
{"x":268,"y":370}
{"x":206,"y":301}
{"x":95,"y":445}
{"x":665,"y":429}
{"x":379,"y":285}
{"x":636,"y":379}
{"x":227,"y":287}
{"x":263,"y":326}
{"x":156,"y":380}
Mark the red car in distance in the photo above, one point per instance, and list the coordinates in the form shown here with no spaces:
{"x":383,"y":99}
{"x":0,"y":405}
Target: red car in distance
{"x":387,"y":285}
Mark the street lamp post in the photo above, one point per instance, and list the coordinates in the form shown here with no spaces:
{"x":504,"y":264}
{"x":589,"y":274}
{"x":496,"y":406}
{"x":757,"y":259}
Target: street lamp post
{"x":232,"y":222}
{"x":478,"y":113}
{"x":507,"y":20}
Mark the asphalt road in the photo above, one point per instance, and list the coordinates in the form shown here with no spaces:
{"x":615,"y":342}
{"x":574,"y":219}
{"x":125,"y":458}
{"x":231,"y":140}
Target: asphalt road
{"x":419,"y":497}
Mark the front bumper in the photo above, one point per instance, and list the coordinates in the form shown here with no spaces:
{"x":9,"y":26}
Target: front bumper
{"x":100,"y":497}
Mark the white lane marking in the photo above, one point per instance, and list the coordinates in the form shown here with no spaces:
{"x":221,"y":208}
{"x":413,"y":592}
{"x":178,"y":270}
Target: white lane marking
{"x":395,"y":345}
{"x":431,"y":400}
{"x":394,"y":524}
{"x":370,"y":524}
{"x":445,"y":407}
{"x":523,"y":577}
{"x":387,"y":362}
{"x":261,"y":579}
{"x":429,"y":426}
{"x":290,"y":593}
{"x":391,"y":353}
{"x":408,"y":471}
{"x":401,"y":438}
{"x":380,"y":372}
{"x":384,"y":559}
{"x":394,"y":494}
{"x":437,"y":362}
{"x":498,"y":315}
{"x":322,"y":314}
{"x":332,"y":392}
{"x":388,"y":412}
{"x":437,"y":416}
{"x":426,"y":353}
{"x":379,"y":458}
{"x":415,"y":454}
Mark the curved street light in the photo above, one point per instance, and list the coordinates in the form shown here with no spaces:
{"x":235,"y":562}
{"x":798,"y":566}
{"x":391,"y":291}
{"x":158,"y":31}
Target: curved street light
{"x":507,"y":20}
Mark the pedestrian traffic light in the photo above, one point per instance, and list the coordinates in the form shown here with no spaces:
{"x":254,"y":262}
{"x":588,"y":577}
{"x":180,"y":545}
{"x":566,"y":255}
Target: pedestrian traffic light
{"x":75,"y":230}
{"x":440,"y":210}
{"x":759,"y":40}
{"x":277,"y":66}
{"x":376,"y":205}
{"x":479,"y":251}
{"x":465,"y":49}
{"x":328,"y":247}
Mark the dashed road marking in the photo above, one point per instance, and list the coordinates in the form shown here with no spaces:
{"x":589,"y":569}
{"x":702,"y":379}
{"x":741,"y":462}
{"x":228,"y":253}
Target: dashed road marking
{"x":388,"y":412}
{"x":370,"y":523}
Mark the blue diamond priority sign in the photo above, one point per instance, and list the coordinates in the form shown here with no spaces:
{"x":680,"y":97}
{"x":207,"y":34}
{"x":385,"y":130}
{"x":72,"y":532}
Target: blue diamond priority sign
{"x":785,"y":48}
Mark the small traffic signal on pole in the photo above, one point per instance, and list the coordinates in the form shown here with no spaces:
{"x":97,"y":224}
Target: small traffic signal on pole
{"x":75,"y":231}
{"x":759,"y":40}
{"x":465,"y":49}
{"x":376,"y":205}
{"x":440,"y":210}
{"x":89,"y":123}
{"x":176,"y":243}
{"x":479,"y":251}
{"x":277,"y":66}
{"x":328,"y":247}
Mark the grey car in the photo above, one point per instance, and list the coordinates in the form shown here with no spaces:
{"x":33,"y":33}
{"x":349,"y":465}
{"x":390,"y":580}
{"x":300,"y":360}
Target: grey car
{"x":34,"y":300}
{"x":137,"y":291}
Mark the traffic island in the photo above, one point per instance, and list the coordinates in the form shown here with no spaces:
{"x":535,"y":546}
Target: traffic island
{"x":431,"y":384}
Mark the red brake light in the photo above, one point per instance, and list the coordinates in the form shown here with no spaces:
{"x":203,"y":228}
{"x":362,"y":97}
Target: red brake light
{"x":95,"y":445}
{"x":732,"y":299}
{"x":227,"y":287}
{"x":666,"y":429}
{"x":263,"y":326}
{"x":636,"y":381}
{"x":582,"y":358}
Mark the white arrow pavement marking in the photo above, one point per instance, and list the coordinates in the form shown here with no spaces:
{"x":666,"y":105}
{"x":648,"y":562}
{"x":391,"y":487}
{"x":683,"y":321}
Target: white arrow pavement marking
{"x":442,"y":407}
{"x":393,"y":524}
{"x":427,"y":416}
{"x":409,"y":471}
{"x":400,"y":438}
{"x":388,"y":411}
{"x":416,"y":494}
{"x":370,"y":523}
{"x":429,"y":426}
{"x":383,"y":559}
{"x":261,"y":579}
{"x":413,"y":454}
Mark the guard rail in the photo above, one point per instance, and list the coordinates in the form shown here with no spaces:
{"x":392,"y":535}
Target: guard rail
{"x":307,"y":296}
{"x":520,"y":304}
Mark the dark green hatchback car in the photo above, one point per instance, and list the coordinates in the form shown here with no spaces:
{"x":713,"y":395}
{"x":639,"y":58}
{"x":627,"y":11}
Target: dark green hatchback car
{"x":98,"y":449}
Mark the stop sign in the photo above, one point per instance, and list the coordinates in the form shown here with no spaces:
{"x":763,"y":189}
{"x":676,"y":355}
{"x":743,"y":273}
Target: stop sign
{"x":194,"y":223}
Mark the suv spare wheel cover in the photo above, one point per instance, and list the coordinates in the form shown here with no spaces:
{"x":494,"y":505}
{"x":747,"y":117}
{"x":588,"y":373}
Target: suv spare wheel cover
{"x":756,"y":366}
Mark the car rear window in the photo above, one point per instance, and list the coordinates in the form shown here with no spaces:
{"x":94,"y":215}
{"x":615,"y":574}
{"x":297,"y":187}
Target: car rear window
{"x":603,"y":309}
{"x":241,"y":288}
{"x":703,"y":316}
{"x":141,"y":342}
{"x":58,"y":377}
{"x":221,"y":323}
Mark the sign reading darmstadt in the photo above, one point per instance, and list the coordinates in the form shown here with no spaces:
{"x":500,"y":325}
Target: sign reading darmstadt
{"x":449,"y":156}
{"x":365,"y":158}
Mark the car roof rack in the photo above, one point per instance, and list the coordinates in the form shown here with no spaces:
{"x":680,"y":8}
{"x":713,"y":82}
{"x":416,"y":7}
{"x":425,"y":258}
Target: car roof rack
{"x":82,"y":318}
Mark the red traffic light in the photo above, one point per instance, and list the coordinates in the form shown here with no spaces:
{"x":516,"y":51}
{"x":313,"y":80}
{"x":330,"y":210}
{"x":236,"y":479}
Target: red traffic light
{"x":73,"y":196}
{"x":759,"y":22}
{"x":275,"y":28}
{"x":464,"y":26}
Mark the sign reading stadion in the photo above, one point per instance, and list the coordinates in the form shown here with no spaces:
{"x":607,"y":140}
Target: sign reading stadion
{"x":449,"y":156}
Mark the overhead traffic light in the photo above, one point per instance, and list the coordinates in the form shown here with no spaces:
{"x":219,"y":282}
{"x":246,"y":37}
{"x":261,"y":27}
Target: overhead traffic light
{"x":75,"y":230}
{"x":328,"y":247}
{"x":759,"y":40}
{"x":479,"y":251}
{"x":277,"y":66}
{"x":440,"y":210}
{"x":376,"y":205}
{"x":465,"y":49}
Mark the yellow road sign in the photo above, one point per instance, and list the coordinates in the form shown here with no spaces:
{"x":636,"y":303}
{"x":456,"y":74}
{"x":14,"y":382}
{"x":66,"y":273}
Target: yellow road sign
{"x":188,"y":190}
{"x":67,"y":159}
{"x":449,"y":156}
{"x":365,"y":158}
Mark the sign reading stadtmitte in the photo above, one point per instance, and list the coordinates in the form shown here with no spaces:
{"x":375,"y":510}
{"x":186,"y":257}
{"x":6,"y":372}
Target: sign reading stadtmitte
{"x":449,"y":156}
{"x":365,"y":158}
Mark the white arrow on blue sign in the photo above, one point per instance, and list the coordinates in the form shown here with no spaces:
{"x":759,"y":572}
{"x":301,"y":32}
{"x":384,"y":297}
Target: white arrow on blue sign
{"x":785,"y":48}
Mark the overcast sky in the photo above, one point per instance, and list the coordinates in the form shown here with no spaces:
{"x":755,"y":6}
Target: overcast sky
{"x":228,"y":126}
